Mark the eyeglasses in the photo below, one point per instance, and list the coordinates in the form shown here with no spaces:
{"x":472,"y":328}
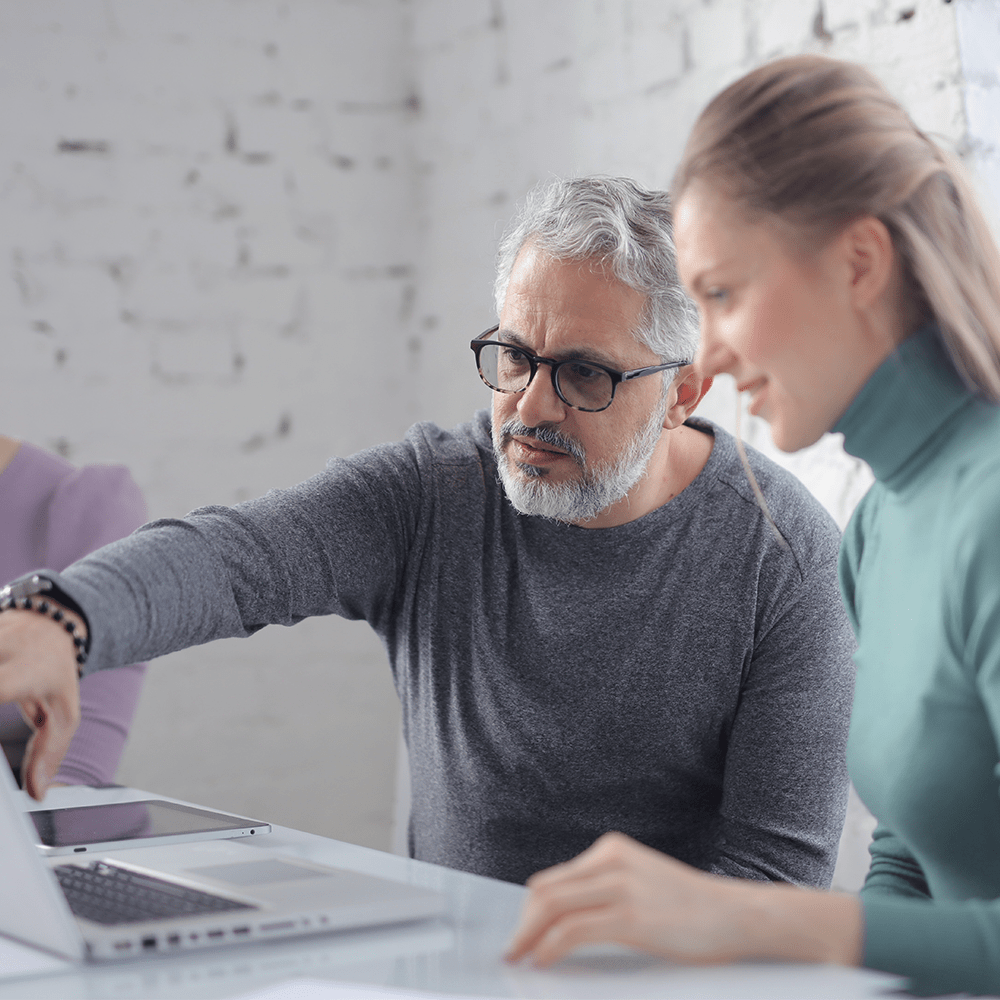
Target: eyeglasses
{"x":584,"y":385}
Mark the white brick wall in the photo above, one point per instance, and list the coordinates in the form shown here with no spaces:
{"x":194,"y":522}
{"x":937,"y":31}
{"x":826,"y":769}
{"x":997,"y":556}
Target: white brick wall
{"x":209,"y":235}
{"x":978,"y":24}
{"x":244,"y":235}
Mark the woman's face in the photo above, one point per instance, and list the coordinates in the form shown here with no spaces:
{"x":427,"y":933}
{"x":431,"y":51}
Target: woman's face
{"x":784,"y":324}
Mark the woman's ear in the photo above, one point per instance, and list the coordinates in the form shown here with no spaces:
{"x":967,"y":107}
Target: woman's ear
{"x":688,"y":390}
{"x":872,"y":260}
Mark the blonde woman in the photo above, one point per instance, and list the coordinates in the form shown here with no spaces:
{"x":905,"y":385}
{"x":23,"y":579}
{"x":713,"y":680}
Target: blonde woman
{"x":848,"y":282}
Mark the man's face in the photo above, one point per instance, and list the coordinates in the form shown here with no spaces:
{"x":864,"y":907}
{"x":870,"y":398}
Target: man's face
{"x":554,"y":460}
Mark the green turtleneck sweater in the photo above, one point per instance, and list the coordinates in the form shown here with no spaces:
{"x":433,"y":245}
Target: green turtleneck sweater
{"x":920,"y":576}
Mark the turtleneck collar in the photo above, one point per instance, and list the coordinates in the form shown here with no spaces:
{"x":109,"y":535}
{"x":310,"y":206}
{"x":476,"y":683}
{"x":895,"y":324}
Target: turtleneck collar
{"x":909,"y":397}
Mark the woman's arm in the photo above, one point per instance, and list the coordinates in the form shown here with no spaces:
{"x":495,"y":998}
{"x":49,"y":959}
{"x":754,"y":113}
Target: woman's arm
{"x":621,"y":891}
{"x":894,"y":870}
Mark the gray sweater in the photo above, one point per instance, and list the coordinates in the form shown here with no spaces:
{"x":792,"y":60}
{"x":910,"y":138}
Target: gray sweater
{"x":681,"y":678}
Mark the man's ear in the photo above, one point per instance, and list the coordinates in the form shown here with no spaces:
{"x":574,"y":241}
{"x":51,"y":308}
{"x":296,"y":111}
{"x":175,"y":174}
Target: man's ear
{"x":688,"y":391}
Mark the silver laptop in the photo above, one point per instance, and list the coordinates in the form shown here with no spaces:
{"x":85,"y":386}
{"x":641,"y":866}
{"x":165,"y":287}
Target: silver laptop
{"x":154,"y":900}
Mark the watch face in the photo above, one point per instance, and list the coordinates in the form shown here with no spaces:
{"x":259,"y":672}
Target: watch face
{"x":25,"y":588}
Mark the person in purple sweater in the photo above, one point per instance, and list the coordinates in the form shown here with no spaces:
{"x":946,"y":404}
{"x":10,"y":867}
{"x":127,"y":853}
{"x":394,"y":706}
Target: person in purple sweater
{"x":52,"y":514}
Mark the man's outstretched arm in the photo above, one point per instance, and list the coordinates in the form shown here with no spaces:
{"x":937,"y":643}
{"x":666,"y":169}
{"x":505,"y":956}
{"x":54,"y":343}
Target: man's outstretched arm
{"x":334,"y":544}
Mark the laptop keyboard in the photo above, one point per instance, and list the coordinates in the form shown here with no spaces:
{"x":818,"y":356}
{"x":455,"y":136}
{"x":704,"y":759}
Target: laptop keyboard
{"x":108,"y":894}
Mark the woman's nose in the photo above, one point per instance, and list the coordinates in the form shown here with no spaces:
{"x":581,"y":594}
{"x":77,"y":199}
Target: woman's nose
{"x":713,"y":356}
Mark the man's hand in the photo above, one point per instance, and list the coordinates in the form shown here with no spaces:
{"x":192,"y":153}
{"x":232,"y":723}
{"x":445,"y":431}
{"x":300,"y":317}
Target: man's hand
{"x":621,"y":891}
{"x":38,"y":671}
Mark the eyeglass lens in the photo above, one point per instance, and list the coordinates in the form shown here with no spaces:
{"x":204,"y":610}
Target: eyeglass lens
{"x":580,"y":384}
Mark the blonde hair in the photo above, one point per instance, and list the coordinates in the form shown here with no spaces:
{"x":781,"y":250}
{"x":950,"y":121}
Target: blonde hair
{"x":818,"y":143}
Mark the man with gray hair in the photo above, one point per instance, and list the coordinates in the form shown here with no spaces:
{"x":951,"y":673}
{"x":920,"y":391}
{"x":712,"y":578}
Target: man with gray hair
{"x":591,"y":624}
{"x":619,"y":232}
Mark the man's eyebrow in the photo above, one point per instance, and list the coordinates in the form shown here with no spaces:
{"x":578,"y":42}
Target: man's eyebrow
{"x":584,"y":354}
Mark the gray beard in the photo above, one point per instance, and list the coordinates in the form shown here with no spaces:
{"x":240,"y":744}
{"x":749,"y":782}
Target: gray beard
{"x":583,"y":498}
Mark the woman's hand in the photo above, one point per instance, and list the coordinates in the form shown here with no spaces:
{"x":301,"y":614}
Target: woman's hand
{"x":620,"y":891}
{"x":38,"y":671}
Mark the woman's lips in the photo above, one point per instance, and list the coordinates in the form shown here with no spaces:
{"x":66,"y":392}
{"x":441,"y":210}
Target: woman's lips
{"x":756,"y":391}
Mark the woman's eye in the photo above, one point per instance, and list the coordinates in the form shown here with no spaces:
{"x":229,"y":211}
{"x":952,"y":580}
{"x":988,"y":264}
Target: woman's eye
{"x":716,"y":294}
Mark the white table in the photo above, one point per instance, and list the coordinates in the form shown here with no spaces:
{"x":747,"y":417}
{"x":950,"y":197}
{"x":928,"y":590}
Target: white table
{"x":458,"y":954}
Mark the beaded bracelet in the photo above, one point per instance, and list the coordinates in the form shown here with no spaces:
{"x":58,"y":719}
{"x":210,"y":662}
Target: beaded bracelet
{"x":53,"y":611}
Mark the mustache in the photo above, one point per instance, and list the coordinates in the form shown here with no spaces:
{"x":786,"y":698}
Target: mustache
{"x":544,"y":435}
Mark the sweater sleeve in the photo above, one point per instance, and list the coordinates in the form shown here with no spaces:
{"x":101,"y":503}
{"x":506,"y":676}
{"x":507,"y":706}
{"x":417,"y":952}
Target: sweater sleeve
{"x":90,"y":507}
{"x":851,"y":548}
{"x":785,"y":787}
{"x":894,"y":871}
{"x":942,"y":946}
{"x":334,"y":544}
{"x":948,"y":946}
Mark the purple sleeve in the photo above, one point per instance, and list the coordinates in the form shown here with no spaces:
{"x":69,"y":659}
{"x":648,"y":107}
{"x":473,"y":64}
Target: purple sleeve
{"x":91,"y":507}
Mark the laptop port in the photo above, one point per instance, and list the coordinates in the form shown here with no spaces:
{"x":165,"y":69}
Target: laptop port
{"x":215,"y":934}
{"x":174,"y":939}
{"x":278,"y":925}
{"x":241,"y":930}
{"x":149,"y":943}
{"x":123,"y":945}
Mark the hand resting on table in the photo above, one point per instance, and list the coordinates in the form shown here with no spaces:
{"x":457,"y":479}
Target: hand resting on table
{"x":620,"y":891}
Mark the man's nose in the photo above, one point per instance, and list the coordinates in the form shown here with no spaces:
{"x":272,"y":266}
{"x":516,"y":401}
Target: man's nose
{"x":540,"y":403}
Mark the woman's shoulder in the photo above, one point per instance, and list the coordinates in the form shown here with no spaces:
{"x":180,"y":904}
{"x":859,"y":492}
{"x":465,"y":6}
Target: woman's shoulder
{"x":32,"y":467}
{"x":71,"y":510}
{"x":109,"y":487}
{"x":973,"y":481}
{"x":87,"y":507}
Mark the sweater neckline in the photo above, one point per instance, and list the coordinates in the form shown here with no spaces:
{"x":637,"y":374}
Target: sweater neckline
{"x":907,"y":400}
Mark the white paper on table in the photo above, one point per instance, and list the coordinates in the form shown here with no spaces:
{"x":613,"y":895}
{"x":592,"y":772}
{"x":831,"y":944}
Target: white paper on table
{"x":18,"y":959}
{"x":764,"y":981}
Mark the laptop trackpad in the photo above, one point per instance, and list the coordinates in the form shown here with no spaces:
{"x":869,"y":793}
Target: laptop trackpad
{"x":266,"y":872}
